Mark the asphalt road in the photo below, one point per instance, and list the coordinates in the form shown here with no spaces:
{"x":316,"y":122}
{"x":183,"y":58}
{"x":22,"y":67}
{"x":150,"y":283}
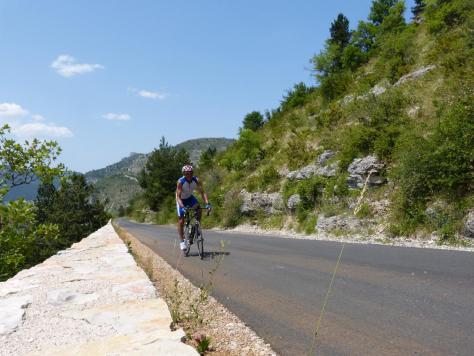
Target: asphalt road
{"x":385,"y":300}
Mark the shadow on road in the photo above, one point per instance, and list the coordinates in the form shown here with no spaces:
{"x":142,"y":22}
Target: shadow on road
{"x":210,"y":255}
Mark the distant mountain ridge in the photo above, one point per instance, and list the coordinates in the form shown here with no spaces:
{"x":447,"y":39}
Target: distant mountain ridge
{"x":117,"y":183}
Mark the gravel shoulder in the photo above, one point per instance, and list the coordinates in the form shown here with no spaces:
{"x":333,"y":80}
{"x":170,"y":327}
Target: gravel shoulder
{"x":196,"y":313}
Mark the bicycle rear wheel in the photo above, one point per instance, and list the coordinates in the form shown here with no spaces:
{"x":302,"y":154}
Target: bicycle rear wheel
{"x":199,"y":242}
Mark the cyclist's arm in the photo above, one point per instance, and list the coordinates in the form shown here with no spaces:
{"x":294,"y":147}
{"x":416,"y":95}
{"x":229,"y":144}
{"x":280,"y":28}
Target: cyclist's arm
{"x":179,"y":189}
{"x":203,"y":193}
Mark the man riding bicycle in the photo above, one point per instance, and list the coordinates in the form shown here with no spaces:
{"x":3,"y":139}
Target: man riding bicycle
{"x":185,"y":199}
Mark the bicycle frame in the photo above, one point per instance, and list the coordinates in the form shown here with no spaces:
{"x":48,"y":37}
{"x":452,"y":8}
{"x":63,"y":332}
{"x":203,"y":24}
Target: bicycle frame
{"x":192,"y":230}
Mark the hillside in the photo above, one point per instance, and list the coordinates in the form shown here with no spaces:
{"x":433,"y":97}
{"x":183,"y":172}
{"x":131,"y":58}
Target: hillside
{"x":382,"y":146}
{"x":117,"y":183}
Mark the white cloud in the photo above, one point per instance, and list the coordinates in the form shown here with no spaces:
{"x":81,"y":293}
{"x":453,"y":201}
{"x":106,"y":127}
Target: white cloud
{"x":155,"y":95}
{"x":116,"y":117}
{"x":37,"y":117}
{"x":12,"y":110}
{"x":152,"y":95}
{"x":31,"y":126}
{"x":67,"y":66}
{"x":41,"y":130}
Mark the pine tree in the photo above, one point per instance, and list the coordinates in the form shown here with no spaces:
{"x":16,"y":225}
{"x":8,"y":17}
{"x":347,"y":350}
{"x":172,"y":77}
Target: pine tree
{"x":418,"y":8}
{"x":379,"y":10}
{"x":340,"y":34}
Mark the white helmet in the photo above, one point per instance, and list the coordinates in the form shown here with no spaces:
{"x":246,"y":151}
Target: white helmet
{"x":187,"y":168}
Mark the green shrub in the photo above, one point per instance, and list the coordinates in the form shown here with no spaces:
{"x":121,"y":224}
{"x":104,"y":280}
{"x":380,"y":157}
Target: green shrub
{"x":231,"y":215}
{"x":364,"y":211}
{"x":310,"y":191}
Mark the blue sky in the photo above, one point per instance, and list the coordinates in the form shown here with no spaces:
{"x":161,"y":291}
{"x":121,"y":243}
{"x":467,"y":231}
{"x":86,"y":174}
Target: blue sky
{"x":106,"y":78}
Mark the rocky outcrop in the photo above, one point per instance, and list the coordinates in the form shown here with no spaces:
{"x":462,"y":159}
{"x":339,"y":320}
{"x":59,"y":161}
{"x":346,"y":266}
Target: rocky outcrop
{"x":379,"y":89}
{"x":337,"y":222}
{"x":468,"y":230}
{"x":319,"y":168}
{"x":414,"y":75}
{"x":91,"y":299}
{"x":293,"y":202}
{"x":359,"y":170}
{"x":269,"y":203}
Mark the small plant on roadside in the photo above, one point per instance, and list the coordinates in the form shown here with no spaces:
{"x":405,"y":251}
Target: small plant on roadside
{"x":364,"y":211}
{"x":203,"y":343}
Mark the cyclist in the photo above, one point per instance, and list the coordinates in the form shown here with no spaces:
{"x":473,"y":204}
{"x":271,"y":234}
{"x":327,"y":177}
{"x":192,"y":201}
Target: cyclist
{"x":185,"y":198}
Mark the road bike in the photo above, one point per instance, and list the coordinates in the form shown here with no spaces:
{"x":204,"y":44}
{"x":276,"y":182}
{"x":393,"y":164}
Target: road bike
{"x":193,"y":231}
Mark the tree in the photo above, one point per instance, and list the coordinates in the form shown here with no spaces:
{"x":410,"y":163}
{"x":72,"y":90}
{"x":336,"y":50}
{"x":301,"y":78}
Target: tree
{"x":205,"y":160}
{"x":340,"y":33}
{"x":296,"y":97}
{"x":418,"y":8}
{"x":23,"y":164}
{"x":253,"y":121}
{"x":23,"y":241}
{"x":161,"y":173}
{"x":379,"y":10}
{"x":72,"y":209}
{"x":44,"y":201}
{"x":394,"y":21}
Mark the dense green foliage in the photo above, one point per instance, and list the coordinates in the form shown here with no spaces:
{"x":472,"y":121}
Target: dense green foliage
{"x":71,"y":209}
{"x":253,"y":121}
{"x":161,"y":173}
{"x":28,"y":233}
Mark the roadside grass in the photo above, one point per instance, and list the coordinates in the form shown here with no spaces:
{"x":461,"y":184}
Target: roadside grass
{"x":192,"y":308}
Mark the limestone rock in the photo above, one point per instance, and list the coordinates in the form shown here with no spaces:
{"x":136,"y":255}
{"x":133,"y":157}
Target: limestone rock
{"x":414,"y":75}
{"x":270,"y":203}
{"x":325,"y":156}
{"x":468,"y":230}
{"x":320,"y":168}
{"x":11,"y":313}
{"x":360,"y":168}
{"x":341,"y":222}
{"x":61,"y":296}
{"x":293,"y":201}
{"x":377,"y":90}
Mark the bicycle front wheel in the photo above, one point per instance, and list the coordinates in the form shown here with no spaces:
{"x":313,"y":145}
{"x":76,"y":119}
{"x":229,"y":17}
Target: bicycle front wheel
{"x":200,"y":243}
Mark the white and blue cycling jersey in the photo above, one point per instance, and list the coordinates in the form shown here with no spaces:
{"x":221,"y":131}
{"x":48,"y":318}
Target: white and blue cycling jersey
{"x":188,"y":187}
{"x":187,"y":197}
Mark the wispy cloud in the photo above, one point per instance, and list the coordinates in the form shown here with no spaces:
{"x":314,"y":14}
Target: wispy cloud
{"x":12,"y":110}
{"x":41,"y":130}
{"x":152,"y":95}
{"x":37,"y":117}
{"x":67,"y":66}
{"x":148,"y":94}
{"x":25,"y":126}
{"x":116,"y":117}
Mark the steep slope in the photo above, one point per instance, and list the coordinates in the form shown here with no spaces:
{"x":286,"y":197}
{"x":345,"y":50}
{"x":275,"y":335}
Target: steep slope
{"x":384,"y":144}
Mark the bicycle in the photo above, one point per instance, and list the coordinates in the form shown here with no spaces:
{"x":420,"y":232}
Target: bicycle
{"x":192,"y":230}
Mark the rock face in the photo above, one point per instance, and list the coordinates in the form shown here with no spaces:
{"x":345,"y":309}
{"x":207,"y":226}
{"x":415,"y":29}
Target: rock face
{"x":270,"y":203}
{"x":320,"y":168}
{"x":468,"y":230}
{"x":293,"y":202}
{"x":359,"y":170}
{"x":341,"y":222}
{"x":414,"y":75}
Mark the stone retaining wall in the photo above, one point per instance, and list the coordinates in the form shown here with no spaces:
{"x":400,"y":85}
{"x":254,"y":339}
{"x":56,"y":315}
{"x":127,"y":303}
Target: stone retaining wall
{"x":91,"y":299}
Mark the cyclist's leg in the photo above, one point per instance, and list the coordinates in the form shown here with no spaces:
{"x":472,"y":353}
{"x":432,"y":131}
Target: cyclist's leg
{"x":193,"y":203}
{"x":180,"y":212}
